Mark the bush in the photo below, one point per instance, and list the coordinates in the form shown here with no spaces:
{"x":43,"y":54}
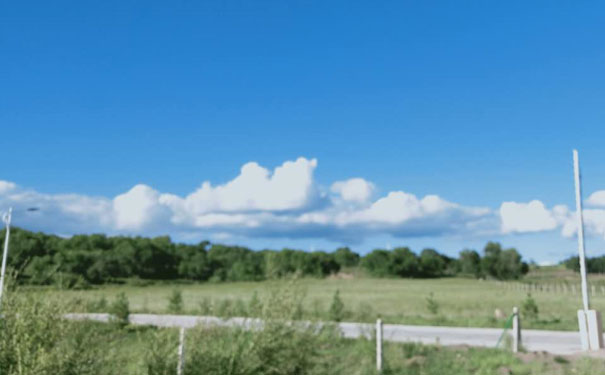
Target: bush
{"x":120,"y":310}
{"x":529,"y":308}
{"x":337,"y":308}
{"x":175,"y":302}
{"x":432,"y":305}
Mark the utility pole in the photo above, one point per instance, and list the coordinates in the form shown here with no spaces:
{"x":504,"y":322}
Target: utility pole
{"x":7,"y":220}
{"x":579,"y":216}
{"x":589,"y":321}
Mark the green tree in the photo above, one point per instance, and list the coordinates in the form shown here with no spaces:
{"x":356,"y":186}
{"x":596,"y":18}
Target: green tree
{"x":377,"y":263}
{"x":469,"y":263}
{"x":404,"y":263}
{"x":502,"y":264}
{"x":345,"y":257}
{"x":432,"y":264}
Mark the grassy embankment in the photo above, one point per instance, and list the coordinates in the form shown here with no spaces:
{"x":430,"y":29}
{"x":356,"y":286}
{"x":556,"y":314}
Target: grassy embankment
{"x":460,"y":302}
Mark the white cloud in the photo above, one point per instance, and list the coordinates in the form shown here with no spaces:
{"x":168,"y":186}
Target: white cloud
{"x":594,"y":223}
{"x":289,"y":187}
{"x":355,"y":190}
{"x":398,"y":207}
{"x":288,"y":202}
{"x":526,"y":217}
{"x":596,"y":199}
{"x":138,"y":208}
{"x":6,"y":186}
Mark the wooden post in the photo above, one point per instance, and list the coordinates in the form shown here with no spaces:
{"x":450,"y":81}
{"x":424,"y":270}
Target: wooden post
{"x":181,"y":352}
{"x":379,"y":346}
{"x":593,"y":290}
{"x":516,"y":330}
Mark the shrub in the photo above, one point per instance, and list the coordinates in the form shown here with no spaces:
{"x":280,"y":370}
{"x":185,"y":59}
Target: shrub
{"x":337,"y":308}
{"x":529,"y":308}
{"x":120,"y":310}
{"x":175,"y":302}
{"x":432,"y":305}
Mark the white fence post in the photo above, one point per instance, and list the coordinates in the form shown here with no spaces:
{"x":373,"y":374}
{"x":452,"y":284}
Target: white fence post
{"x":181,"y":352}
{"x":379,"y":345}
{"x":516,"y":330}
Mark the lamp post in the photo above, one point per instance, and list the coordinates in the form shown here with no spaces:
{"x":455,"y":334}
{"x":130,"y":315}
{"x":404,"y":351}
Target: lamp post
{"x":6,"y":218}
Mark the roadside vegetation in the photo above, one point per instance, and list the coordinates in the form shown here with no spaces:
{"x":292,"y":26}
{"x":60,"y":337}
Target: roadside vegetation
{"x":34,"y":339}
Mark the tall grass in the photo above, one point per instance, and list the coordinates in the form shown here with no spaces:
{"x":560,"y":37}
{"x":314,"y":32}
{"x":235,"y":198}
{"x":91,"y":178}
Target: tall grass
{"x":35,"y":339}
{"x":280,"y":346}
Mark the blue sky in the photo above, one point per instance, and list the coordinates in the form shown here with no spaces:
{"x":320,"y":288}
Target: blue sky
{"x":478,"y":103}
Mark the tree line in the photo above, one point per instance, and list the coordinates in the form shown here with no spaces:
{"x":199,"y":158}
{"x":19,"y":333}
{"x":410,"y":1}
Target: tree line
{"x":41,"y":259}
{"x":593,"y":264}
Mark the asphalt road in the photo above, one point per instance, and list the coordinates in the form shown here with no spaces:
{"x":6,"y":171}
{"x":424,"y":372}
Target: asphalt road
{"x":556,"y":342}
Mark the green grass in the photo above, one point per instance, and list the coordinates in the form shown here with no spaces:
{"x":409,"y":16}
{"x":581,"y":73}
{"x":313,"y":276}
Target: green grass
{"x":129,"y":349}
{"x":34,"y":319}
{"x":460,"y":302}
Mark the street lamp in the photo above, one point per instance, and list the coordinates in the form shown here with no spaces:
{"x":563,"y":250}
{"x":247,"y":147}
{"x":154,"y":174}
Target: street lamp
{"x":6,"y":218}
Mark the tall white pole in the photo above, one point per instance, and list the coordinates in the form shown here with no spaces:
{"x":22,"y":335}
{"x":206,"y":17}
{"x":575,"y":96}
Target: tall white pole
{"x":379,"y":346}
{"x":576,"y":167}
{"x":7,"y":220}
{"x":181,"y":352}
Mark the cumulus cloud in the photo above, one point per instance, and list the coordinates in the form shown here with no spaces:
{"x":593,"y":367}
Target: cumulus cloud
{"x":596,"y":199}
{"x":138,"y":208}
{"x":6,"y":186}
{"x":526,"y":217}
{"x":355,"y":190}
{"x":288,"y":202}
{"x":289,"y":187}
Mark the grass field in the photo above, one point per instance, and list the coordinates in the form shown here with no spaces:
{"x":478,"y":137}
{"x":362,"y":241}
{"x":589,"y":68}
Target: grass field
{"x":460,"y":302}
{"x":280,"y":348}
